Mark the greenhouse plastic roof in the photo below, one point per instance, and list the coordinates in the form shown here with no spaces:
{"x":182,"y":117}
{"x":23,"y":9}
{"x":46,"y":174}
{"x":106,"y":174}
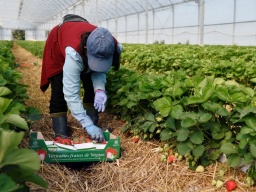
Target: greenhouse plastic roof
{"x":28,"y":14}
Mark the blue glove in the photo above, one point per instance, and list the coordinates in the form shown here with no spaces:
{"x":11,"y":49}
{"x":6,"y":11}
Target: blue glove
{"x":95,"y":133}
{"x":100,"y":100}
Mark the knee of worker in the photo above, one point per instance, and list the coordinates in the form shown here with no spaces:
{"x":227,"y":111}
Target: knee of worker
{"x":58,"y":106}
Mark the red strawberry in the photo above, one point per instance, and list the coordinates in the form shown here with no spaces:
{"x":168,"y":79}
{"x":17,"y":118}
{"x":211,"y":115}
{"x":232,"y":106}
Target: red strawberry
{"x":65,"y":141}
{"x":88,"y":140}
{"x":170,"y":158}
{"x":41,"y":153}
{"x":57,"y":139}
{"x":111,"y":150}
{"x":230,"y":185}
{"x":135,"y":139}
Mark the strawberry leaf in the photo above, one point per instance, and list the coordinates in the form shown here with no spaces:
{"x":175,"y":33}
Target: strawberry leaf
{"x":177,"y":112}
{"x":253,"y":149}
{"x":4,"y":91}
{"x":164,"y":135}
{"x":163,"y":105}
{"x":170,"y":123}
{"x":228,"y":148}
{"x":198,"y":151}
{"x":234,"y":160}
{"x":184,"y":147}
{"x":197,"y":137}
{"x":183,"y":134}
{"x":188,"y":122}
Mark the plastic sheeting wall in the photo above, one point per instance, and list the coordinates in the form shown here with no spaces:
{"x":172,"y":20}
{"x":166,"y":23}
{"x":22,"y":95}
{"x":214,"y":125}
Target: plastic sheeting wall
{"x":226,"y":22}
{"x":5,"y":34}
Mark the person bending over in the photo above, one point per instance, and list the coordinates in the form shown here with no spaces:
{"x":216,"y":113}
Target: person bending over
{"x":77,"y":51}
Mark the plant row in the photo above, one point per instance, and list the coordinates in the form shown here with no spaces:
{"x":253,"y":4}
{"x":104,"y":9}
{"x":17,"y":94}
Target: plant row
{"x":17,"y":165}
{"x":230,"y":62}
{"x":200,"y":117}
{"x":35,"y":47}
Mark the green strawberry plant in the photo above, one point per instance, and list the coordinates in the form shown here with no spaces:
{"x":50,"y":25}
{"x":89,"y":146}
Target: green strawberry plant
{"x":17,"y":165}
{"x":201,"y":117}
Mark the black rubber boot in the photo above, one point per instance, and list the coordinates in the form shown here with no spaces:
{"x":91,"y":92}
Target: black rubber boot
{"x":91,"y":112}
{"x":59,"y":123}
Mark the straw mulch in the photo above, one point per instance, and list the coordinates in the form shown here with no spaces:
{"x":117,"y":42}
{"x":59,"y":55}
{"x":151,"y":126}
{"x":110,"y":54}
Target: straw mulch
{"x":138,"y":169}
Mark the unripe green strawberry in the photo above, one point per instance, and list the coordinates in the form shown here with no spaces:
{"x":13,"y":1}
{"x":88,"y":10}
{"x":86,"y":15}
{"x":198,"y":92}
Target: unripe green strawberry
{"x":180,"y":157}
{"x":249,"y":181}
{"x":187,"y":154}
{"x":190,"y":157}
{"x":219,"y":184}
{"x":163,"y":156}
{"x":221,"y":172}
{"x":200,"y":169}
{"x":159,"y":119}
{"x":166,"y":146}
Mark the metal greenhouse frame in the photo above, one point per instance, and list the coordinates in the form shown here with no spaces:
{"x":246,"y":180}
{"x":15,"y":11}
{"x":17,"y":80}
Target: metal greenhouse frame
{"x":201,"y":22}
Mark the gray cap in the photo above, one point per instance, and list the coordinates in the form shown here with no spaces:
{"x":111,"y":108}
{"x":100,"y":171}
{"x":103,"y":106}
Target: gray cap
{"x":100,"y":49}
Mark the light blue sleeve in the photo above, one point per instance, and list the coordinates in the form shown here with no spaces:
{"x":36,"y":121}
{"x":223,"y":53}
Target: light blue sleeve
{"x":98,"y":80}
{"x":72,"y":69}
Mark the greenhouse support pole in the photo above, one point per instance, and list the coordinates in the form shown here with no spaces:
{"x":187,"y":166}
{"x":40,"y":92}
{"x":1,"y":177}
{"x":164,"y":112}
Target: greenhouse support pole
{"x":116,"y":24}
{"x":83,"y":9}
{"x":74,"y":9}
{"x":234,"y":24}
{"x":153,"y":12}
{"x":201,"y":22}
{"x":138,"y":37}
{"x":56,"y":19}
{"x":97,"y":18}
{"x":173,"y":24}
{"x":146,"y":27}
{"x":126,"y":29}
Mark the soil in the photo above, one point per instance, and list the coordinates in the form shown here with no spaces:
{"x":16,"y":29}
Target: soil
{"x":139,"y":168}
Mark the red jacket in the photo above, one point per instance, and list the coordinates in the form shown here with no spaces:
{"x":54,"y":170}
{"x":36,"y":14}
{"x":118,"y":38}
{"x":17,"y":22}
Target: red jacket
{"x":68,"y":34}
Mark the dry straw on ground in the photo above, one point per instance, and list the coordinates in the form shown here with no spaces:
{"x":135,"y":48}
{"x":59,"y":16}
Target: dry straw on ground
{"x":139,"y":169}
